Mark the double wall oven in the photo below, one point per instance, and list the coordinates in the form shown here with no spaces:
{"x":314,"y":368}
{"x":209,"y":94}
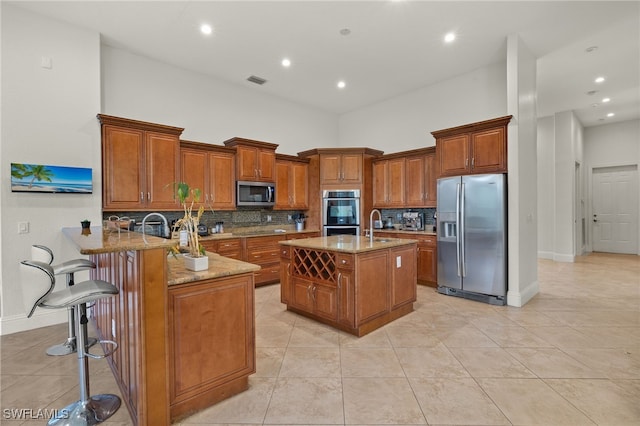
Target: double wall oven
{"x":341,"y":212}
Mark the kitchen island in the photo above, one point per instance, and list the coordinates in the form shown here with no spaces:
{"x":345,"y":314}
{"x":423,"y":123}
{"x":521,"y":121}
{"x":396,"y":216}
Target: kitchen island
{"x":186,"y":340}
{"x":349,"y":282}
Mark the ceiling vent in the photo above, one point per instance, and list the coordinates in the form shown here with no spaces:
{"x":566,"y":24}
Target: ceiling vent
{"x":256,"y":80}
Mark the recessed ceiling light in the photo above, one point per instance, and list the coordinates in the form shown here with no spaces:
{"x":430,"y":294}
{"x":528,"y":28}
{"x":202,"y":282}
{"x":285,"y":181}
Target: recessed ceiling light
{"x":286,"y":63}
{"x":610,"y":114}
{"x":206,"y":29}
{"x":341,"y":84}
{"x":591,"y":49}
{"x":449,"y":37}
{"x":605,"y":100}
{"x":599,"y":79}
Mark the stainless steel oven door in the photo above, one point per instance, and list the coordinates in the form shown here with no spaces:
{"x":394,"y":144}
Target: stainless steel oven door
{"x":341,"y":230}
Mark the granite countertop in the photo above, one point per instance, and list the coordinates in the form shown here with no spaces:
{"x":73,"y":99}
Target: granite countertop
{"x":99,"y":241}
{"x":257,"y":231}
{"x":219,"y":266}
{"x":349,"y":243}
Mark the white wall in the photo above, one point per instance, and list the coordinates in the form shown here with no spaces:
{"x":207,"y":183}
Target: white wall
{"x":522,"y":181}
{"x":546,"y":187}
{"x":48,"y":117}
{"x":209,"y":110}
{"x":608,"y":145}
{"x":406,"y":122}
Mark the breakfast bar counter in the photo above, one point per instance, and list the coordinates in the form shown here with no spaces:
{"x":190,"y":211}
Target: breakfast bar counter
{"x":186,"y":340}
{"x":353,"y":283}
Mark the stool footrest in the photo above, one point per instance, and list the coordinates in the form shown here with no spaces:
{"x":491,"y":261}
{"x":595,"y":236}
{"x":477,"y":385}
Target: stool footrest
{"x":107,"y":353}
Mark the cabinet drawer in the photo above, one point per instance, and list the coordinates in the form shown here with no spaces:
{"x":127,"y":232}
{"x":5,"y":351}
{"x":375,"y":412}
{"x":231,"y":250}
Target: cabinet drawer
{"x":285,"y":252}
{"x":263,"y":256}
{"x":261,"y":242}
{"x":268,"y":273}
{"x":428,"y":241}
{"x":344,"y":261}
{"x":229,"y":245}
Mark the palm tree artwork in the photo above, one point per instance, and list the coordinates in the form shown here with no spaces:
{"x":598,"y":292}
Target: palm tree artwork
{"x":43,"y":178}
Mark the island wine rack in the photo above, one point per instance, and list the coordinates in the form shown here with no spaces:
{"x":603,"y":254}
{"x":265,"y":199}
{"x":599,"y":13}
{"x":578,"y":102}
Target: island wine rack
{"x":314,"y":264}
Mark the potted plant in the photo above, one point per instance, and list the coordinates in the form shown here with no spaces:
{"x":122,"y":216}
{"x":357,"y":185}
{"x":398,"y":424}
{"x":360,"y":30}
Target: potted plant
{"x":196,"y":259}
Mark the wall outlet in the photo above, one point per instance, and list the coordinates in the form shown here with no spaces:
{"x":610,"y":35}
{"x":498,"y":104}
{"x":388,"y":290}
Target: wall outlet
{"x":113,"y":328}
{"x":23,"y":227}
{"x":398,"y":262}
{"x":268,"y":218}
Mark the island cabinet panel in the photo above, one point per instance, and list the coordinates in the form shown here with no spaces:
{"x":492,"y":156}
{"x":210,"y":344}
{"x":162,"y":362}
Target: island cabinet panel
{"x":427,"y":259}
{"x":135,"y":319}
{"x":211,"y":341}
{"x":355,"y":292}
{"x":139,"y":161}
{"x":473,"y":148}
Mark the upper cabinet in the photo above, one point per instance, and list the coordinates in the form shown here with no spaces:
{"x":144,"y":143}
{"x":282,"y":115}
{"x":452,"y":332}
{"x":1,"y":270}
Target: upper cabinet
{"x":341,"y":168}
{"x":212,"y":169}
{"x":139,"y":164}
{"x":421,"y":178}
{"x":255,"y":160}
{"x":292,"y":183}
{"x":389,"y":182}
{"x":473,"y":148}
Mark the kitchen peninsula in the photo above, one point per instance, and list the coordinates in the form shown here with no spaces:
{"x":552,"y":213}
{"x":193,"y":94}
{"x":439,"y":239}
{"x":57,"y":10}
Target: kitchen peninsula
{"x":186,"y":340}
{"x":349,"y":282}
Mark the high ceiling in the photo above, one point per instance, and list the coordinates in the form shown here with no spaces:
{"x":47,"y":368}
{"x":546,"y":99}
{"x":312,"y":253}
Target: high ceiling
{"x":393,"y":47}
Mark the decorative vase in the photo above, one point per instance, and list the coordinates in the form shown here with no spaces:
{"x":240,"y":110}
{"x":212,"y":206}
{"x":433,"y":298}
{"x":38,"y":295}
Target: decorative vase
{"x":196,"y":263}
{"x":86,"y":224}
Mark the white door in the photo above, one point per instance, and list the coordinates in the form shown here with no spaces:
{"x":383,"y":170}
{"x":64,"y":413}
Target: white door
{"x":615,"y":209}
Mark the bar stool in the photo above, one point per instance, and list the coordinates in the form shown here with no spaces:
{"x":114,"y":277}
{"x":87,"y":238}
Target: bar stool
{"x":45,"y":254}
{"x":37,"y":291}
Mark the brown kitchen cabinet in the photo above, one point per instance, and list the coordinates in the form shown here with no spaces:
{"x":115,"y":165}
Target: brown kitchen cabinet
{"x":140,"y":162}
{"x":427,"y":259}
{"x":227,"y":247}
{"x":292,"y":183}
{"x":341,"y":168}
{"x":421,"y":178}
{"x":211,"y":169}
{"x":255,"y":160}
{"x":473,"y":148}
{"x":264,"y":251}
{"x":389,"y":183}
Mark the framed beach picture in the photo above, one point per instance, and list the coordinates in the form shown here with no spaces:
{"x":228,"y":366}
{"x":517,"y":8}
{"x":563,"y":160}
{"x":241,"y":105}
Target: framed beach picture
{"x":50,"y":179}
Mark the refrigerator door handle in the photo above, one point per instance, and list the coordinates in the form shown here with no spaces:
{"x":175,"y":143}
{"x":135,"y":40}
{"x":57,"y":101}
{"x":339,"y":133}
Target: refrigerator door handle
{"x":462,"y":232}
{"x":457,"y":227}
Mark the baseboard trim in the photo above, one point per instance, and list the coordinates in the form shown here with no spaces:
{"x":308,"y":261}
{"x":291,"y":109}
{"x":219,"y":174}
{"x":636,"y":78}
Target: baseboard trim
{"x":569,"y":258}
{"x":520,"y":298}
{"x":545,"y":255}
{"x":41,"y":318}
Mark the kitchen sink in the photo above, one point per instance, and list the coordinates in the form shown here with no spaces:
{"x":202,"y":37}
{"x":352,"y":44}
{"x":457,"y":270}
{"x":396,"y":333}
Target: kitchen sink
{"x":381,"y":240}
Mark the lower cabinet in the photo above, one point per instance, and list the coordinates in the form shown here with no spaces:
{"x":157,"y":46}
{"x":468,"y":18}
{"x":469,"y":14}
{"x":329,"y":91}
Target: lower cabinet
{"x":211,"y":341}
{"x":264,"y":251}
{"x":315,"y":297}
{"x":231,"y":247}
{"x":427,"y":259}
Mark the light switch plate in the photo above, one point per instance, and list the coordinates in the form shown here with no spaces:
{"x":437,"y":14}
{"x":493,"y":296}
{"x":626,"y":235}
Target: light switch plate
{"x":23,"y":227}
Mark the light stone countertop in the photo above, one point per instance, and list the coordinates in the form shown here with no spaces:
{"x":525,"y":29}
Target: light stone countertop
{"x":98,"y":241}
{"x":219,"y":266}
{"x":349,"y":243}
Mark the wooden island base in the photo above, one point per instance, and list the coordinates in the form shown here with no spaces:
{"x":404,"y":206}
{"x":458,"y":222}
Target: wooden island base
{"x":349,"y":282}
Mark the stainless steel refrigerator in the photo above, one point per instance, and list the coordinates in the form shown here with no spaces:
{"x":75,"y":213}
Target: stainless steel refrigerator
{"x":472,"y":237}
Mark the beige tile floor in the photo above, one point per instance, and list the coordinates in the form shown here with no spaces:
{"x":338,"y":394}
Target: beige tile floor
{"x":571,"y":356}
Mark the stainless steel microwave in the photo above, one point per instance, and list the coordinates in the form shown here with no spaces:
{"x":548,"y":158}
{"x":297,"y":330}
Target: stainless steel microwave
{"x":260,"y":194}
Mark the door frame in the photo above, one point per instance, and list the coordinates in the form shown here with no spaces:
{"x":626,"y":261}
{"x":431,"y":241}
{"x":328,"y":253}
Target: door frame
{"x":589,"y":212}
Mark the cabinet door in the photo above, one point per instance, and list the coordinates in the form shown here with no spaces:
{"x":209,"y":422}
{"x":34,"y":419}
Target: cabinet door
{"x":454,"y":155}
{"x":162,"y":167}
{"x":380,"y":183}
{"x":427,"y":263}
{"x":193,"y":167}
{"x":330,"y":172}
{"x":301,"y":294}
{"x":415,"y":181}
{"x":430,"y":180}
{"x":283,"y":192}
{"x":351,"y":168}
{"x":325,"y":301}
{"x":488,"y":151}
{"x":403,"y":276}
{"x":346,"y":300}
{"x":266,"y":165}
{"x":247,"y":160}
{"x":395,"y":183}
{"x":123,"y":168}
{"x":221,"y":184}
{"x":299,"y":186}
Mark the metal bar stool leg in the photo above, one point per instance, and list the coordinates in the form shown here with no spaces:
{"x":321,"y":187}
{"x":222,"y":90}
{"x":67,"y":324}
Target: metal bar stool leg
{"x":69,"y":346}
{"x":89,"y":410}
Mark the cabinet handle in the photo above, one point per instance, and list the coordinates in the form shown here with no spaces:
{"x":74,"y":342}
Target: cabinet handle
{"x":255,"y":172}
{"x":313,"y":293}
{"x":141,"y":196}
{"x":473,"y":160}
{"x":344,"y":261}
{"x":466,"y":162}
{"x":149,"y":196}
{"x":340,"y":279}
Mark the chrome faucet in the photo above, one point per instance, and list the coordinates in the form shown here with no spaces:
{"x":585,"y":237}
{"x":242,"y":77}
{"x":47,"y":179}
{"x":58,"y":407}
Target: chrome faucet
{"x":165,"y":229}
{"x":371,"y":222}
